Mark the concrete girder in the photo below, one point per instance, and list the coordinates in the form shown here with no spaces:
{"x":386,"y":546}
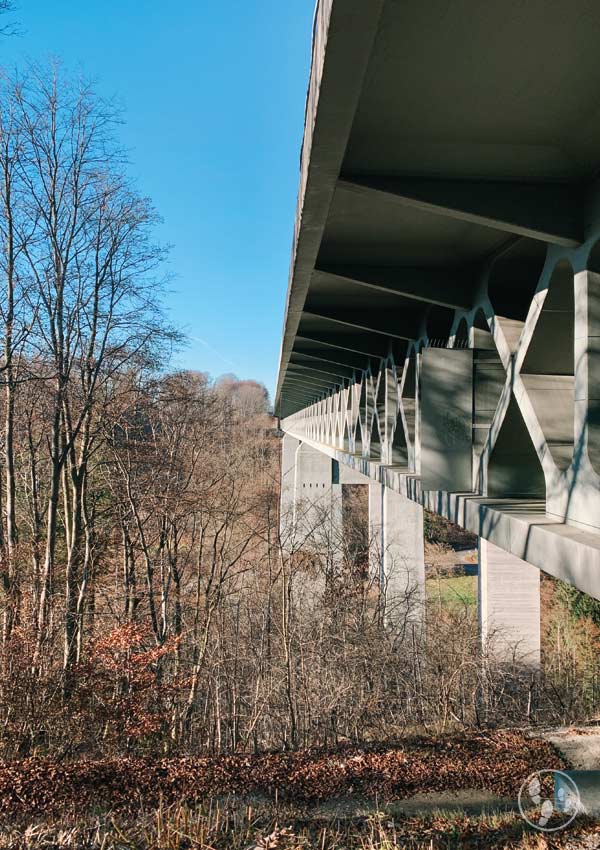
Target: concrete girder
{"x":315,"y":364}
{"x":368,"y":345}
{"x":550,"y":212}
{"x":432,"y":285}
{"x":301,"y":392}
{"x":326,"y":134}
{"x":370,"y":321}
{"x":297,"y":370}
{"x":331,"y":355}
{"x":298,"y":397}
{"x":313,"y":383}
{"x":315,"y":393}
{"x":316,"y":381}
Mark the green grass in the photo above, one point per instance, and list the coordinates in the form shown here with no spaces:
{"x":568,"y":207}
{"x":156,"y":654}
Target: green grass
{"x":453,"y":589}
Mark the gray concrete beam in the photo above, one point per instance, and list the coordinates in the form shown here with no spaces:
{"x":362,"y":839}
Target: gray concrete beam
{"x":314,"y":381}
{"x":339,"y":357}
{"x":551,"y":212}
{"x":368,"y":345}
{"x":298,"y":397}
{"x":317,"y":385}
{"x":397,"y":327}
{"x":315,"y":393}
{"x":300,"y":393}
{"x":295,"y":370}
{"x":310,"y":365}
{"x":444,"y":287}
{"x":326,"y":132}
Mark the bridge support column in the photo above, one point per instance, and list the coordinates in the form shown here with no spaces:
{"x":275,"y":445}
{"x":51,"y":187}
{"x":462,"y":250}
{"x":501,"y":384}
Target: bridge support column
{"x":509,"y":605}
{"x":403,"y":558}
{"x":289,"y":447}
{"x":376,"y":533}
{"x":317,"y":498}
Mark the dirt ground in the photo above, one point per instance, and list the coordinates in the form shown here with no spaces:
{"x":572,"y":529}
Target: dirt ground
{"x":448,"y":558}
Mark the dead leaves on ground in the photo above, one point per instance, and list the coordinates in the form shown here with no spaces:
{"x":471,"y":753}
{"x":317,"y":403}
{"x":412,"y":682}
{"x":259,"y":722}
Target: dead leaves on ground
{"x":497,"y":762}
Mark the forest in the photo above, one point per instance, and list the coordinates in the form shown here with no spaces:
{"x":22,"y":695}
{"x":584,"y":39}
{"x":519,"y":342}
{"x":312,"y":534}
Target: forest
{"x":150,"y":602}
{"x":155,"y":605}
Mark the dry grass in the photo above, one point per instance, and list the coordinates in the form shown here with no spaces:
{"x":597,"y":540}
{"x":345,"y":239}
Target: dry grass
{"x":228,"y":824}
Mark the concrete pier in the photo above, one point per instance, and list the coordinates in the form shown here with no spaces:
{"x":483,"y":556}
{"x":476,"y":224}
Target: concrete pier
{"x":403,"y":558}
{"x":314,"y":511}
{"x":376,"y":532}
{"x":312,"y":497}
{"x":509,"y":606}
{"x":289,"y":447}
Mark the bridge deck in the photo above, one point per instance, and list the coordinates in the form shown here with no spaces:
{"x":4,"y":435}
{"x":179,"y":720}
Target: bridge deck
{"x":449,"y":199}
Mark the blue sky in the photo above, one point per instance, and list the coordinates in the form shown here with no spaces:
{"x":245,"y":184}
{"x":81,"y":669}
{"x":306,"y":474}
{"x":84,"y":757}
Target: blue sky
{"x":213,"y":92}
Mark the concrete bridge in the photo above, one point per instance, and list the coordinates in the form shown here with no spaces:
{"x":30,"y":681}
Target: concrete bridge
{"x":442,"y":329}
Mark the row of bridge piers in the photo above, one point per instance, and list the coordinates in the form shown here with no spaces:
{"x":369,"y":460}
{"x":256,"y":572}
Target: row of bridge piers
{"x":314,"y":487}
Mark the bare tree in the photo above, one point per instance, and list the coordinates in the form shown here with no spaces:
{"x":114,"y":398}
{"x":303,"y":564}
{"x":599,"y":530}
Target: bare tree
{"x":84,"y":236}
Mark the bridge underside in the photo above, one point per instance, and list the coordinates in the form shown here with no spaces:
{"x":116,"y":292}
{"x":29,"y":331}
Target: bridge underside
{"x":442,"y":330}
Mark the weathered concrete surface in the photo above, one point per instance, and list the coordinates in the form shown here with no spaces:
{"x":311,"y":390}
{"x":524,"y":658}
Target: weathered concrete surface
{"x":315,"y":513}
{"x":376,"y":532}
{"x":446,"y":419}
{"x":403,"y":558}
{"x":289,"y":447}
{"x":312,"y":492}
{"x":509,"y":605}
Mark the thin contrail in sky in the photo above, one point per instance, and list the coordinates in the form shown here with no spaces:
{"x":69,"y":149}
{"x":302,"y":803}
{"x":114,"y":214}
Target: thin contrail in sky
{"x":214,"y":351}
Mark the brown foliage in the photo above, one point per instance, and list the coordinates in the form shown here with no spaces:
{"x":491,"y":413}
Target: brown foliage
{"x":497,"y":762}
{"x":149,"y":600}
